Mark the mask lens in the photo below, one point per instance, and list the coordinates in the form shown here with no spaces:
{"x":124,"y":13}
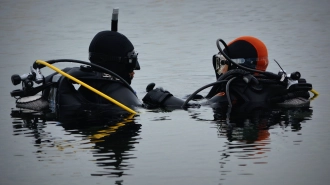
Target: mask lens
{"x":133,"y":60}
{"x":137,"y":65}
{"x":220,"y":61}
{"x":217,"y":64}
{"x":247,"y":62}
{"x":239,"y":60}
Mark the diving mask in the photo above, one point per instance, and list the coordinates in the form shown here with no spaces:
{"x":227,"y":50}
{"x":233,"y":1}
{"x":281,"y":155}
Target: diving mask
{"x":221,"y":63}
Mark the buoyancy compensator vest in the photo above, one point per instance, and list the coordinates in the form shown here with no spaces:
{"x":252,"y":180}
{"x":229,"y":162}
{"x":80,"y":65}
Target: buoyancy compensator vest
{"x":243,"y":87}
{"x":67,"y":99}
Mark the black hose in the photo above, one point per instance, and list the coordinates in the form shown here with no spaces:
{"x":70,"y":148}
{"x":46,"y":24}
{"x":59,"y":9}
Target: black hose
{"x":226,"y":46}
{"x":230,"y":105}
{"x":200,"y":89}
{"x":228,"y":75}
{"x":233,"y":72}
{"x":35,"y":65}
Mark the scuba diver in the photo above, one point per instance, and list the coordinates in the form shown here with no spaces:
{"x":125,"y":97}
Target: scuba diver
{"x":243,"y":82}
{"x":104,"y":82}
{"x":255,"y":86}
{"x":110,"y":71}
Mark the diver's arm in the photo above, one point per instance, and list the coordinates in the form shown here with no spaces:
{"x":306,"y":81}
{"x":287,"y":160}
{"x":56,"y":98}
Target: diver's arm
{"x":160,"y":98}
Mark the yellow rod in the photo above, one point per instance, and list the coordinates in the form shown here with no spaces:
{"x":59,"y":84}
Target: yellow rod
{"x":314,"y":92}
{"x":87,"y":86}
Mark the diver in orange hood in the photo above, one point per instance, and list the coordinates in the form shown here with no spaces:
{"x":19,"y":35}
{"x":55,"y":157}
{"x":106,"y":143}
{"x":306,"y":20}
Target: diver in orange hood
{"x":242,"y":79}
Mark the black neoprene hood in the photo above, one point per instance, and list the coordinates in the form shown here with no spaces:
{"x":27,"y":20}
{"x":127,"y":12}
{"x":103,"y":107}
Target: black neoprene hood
{"x":111,"y":43}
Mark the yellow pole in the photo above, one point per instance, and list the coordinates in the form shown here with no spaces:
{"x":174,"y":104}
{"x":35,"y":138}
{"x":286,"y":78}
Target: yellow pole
{"x":86,"y":85}
{"x":316,"y":94}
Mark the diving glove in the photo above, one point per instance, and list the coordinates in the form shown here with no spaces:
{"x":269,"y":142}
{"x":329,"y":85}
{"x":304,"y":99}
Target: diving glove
{"x":160,"y":98}
{"x":155,"y":98}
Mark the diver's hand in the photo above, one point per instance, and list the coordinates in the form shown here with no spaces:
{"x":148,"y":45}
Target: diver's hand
{"x":150,"y":87}
{"x":155,"y":97}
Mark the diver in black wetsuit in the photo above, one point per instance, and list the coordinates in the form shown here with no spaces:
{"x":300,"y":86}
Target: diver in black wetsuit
{"x":242,"y":81}
{"x":110,"y":71}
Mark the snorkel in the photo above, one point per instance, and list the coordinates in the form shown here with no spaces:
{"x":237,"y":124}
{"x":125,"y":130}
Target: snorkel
{"x":114,"y":20}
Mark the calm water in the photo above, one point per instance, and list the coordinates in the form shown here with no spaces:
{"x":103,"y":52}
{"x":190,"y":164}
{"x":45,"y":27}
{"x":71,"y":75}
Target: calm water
{"x":175,"y":41}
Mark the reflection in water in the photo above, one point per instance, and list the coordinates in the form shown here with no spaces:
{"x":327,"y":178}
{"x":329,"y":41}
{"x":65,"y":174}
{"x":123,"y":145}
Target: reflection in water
{"x":109,"y":144}
{"x":248,"y":134}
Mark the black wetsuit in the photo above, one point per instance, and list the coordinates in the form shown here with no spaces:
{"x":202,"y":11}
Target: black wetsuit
{"x":68,"y":101}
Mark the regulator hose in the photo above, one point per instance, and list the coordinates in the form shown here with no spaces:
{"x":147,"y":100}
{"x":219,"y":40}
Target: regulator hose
{"x":230,"y":105}
{"x":233,"y":72}
{"x":200,"y":89}
{"x":230,"y":74}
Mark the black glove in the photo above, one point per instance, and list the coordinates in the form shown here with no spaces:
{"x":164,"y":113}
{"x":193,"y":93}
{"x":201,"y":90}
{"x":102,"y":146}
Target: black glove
{"x":160,"y":98}
{"x":155,"y":97}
